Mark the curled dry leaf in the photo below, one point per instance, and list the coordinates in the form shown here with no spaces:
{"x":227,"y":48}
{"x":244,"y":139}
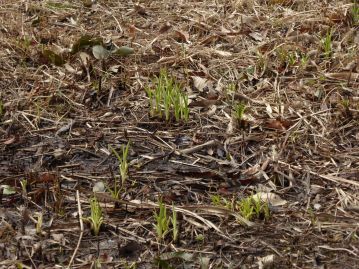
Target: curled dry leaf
{"x":272,"y":198}
{"x":201,"y":83}
{"x":181,"y":36}
{"x":164,"y":28}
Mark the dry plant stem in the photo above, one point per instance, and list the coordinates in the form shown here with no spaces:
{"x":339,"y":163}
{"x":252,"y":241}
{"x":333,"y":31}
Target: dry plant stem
{"x":198,"y":147}
{"x":81,"y":229}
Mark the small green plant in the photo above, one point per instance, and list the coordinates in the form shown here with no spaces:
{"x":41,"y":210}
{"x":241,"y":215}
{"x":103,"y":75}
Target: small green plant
{"x":355,"y":14}
{"x":167,"y":98}
{"x":239,"y":110}
{"x":304,"y":58}
{"x":96,"y":218}
{"x":326,"y":43}
{"x":217,"y":200}
{"x":253,"y":207}
{"x":246,"y":208}
{"x":23,"y":184}
{"x":162,"y":221}
{"x":174,"y":223}
{"x":39,"y":223}
{"x":123,"y":170}
{"x":286,"y":57}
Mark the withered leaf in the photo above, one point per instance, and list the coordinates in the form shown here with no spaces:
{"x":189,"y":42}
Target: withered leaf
{"x":181,"y":36}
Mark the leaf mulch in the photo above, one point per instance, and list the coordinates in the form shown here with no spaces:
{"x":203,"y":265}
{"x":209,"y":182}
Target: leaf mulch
{"x":293,"y":64}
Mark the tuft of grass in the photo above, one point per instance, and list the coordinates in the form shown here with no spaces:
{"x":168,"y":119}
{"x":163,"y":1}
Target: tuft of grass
{"x":162,"y":221}
{"x":167,"y":100}
{"x":96,"y":218}
{"x":217,"y":200}
{"x":174,"y":223}
{"x":327,"y":43}
{"x":355,"y":14}
{"x":253,"y":208}
{"x":250,"y":208}
{"x":246,"y":208}
{"x":239,"y":109}
{"x":123,"y":170}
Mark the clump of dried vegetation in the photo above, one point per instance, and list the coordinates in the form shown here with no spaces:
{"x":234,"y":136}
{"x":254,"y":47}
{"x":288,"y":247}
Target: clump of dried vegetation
{"x":241,"y":153}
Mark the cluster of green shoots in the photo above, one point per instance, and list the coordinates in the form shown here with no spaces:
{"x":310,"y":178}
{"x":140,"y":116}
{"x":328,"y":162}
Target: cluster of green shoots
{"x":163,"y":222}
{"x":292,"y":58}
{"x":326,"y":43}
{"x":249,"y":208}
{"x":123,"y":170}
{"x":96,"y":218}
{"x":167,"y":99}
{"x":239,"y":109}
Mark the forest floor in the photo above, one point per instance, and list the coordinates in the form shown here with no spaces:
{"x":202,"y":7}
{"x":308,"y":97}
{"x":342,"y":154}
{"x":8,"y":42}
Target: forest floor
{"x":263,"y":173}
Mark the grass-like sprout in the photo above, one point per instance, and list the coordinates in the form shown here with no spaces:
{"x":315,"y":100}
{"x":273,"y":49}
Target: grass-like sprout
{"x":162,"y":221}
{"x":355,"y":14}
{"x":246,"y":208}
{"x":167,"y":99}
{"x":239,"y":110}
{"x":96,"y":218}
{"x":253,"y":207}
{"x":174,"y":222}
{"x":326,"y":43}
{"x":39,"y":223}
{"x":123,"y":170}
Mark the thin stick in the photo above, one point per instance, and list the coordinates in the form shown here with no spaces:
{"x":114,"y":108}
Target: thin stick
{"x":81,"y":229}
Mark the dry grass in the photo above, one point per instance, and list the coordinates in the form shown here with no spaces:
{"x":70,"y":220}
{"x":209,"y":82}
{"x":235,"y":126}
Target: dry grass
{"x":293,"y":64}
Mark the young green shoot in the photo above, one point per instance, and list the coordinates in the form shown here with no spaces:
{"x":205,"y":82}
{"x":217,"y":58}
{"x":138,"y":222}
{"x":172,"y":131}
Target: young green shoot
{"x":253,"y":208}
{"x":326,"y":43}
{"x":168,"y":99}
{"x":246,"y":208}
{"x":174,"y":223}
{"x":355,"y":14}
{"x":123,"y":170}
{"x":96,"y":218}
{"x":239,"y":110}
{"x":39,"y":223}
{"x":162,"y":221}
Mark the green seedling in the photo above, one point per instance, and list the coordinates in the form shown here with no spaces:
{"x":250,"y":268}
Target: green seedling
{"x":96,"y":218}
{"x":292,"y":58}
{"x":23,"y":184}
{"x":304,"y":58}
{"x":39,"y":223}
{"x":239,"y":110}
{"x":253,"y":208}
{"x":162,"y":221}
{"x":166,"y":99}
{"x":355,"y":14}
{"x":217,"y":200}
{"x":326,"y":43}
{"x":174,"y":223}
{"x":246,"y":208}
{"x":287,"y":57}
{"x":123,"y":170}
